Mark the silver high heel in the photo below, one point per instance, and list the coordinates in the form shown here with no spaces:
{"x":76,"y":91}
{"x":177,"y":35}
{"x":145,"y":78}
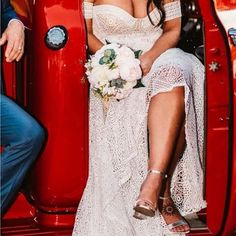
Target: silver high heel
{"x":144,"y":206}
{"x":171,"y":209}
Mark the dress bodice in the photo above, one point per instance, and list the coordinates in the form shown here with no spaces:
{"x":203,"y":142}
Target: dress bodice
{"x":114,"y":24}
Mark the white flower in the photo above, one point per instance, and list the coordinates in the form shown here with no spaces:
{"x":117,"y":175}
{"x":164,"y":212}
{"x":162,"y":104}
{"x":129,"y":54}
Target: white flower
{"x":100,"y":53}
{"x":101,"y":75}
{"x":98,"y":76}
{"x":130,"y":70}
{"x":109,"y":90}
{"x":95,"y":62}
{"x":113,"y":71}
{"x":124,"y":54}
{"x":130,"y":84}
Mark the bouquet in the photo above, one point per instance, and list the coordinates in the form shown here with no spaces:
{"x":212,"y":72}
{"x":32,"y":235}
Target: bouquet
{"x":113,"y":71}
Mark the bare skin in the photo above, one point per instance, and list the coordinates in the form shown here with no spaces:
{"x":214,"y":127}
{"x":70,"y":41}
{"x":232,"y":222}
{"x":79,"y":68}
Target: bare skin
{"x":166,"y":111}
{"x":14,"y":36}
{"x":165,"y":192}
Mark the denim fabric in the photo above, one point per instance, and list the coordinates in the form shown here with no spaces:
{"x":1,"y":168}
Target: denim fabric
{"x":7,"y":13}
{"x":21,"y":139}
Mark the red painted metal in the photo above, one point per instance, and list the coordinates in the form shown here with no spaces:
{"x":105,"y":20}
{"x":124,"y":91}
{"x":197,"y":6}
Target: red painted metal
{"x":230,"y":222}
{"x":20,"y":209}
{"x":59,"y":101}
{"x":230,"y":225}
{"x":9,"y":75}
{"x":225,"y":4}
{"x":217,"y":132}
{"x":58,"y":98}
{"x":28,"y":227}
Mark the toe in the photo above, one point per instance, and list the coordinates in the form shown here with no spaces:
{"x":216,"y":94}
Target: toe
{"x":175,"y":229}
{"x":186,"y":228}
{"x":178,"y":229}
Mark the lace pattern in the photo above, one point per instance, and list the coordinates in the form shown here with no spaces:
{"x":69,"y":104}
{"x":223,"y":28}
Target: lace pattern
{"x":109,"y":21}
{"x":87,"y":9}
{"x":172,"y":10}
{"x":119,"y":143}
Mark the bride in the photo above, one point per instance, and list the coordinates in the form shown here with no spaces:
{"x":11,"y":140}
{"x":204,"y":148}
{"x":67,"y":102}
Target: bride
{"x":146,"y":162}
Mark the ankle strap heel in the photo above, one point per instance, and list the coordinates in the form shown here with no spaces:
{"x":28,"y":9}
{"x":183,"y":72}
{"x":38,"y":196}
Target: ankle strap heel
{"x":164,"y":198}
{"x":143,"y":206}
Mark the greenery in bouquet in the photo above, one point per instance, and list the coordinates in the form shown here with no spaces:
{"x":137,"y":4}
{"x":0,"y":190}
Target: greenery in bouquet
{"x":113,"y":71}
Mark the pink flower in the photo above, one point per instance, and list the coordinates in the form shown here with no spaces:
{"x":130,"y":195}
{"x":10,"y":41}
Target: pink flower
{"x":130,"y":70}
{"x":124,"y":54}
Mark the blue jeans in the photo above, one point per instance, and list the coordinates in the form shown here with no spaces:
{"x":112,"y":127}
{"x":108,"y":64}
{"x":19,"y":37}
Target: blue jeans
{"x":21,"y":138}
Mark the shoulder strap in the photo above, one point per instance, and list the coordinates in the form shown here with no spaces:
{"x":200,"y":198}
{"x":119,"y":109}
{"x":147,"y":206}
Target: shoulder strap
{"x":88,"y":9}
{"x":172,"y":10}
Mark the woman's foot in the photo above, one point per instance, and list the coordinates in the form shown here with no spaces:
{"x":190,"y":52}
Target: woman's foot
{"x":175,"y":222}
{"x":146,"y":203}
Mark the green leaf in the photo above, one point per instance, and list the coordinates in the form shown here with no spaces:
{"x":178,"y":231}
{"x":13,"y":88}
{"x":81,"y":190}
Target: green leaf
{"x":113,"y":54}
{"x":108,"y":52}
{"x":139,"y":84}
{"x":138,"y":53}
{"x":101,"y":61}
{"x":106,"y":59}
{"x":113,"y":66}
{"x":107,"y":42}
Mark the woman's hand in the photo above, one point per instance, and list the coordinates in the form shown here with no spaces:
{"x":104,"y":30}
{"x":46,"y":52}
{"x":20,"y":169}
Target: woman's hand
{"x":146,"y":61}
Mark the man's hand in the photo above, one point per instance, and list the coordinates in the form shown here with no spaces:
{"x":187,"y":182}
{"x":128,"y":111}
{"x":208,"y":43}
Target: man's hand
{"x":15,"y":37}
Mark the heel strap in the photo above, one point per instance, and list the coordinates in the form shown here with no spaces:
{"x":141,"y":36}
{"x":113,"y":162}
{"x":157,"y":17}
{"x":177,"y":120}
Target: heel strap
{"x":158,"y":172}
{"x":164,"y":198}
{"x":146,"y":203}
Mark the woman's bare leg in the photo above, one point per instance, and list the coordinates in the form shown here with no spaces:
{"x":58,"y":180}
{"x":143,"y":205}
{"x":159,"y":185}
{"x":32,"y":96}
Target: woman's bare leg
{"x":178,"y":152}
{"x":167,"y":203}
{"x":167,"y":141}
{"x":165,"y":118}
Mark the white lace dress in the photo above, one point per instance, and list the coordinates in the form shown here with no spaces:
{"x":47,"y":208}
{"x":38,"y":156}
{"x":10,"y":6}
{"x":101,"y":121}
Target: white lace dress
{"x":118,"y":139}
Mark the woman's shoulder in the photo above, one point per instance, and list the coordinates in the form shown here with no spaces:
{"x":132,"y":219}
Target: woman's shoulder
{"x":170,"y":1}
{"x":89,"y":1}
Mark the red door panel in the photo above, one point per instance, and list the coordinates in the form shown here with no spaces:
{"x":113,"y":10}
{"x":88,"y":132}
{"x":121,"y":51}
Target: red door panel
{"x":59,"y":99}
{"x":226,"y":11}
{"x":217,"y":65}
{"x":60,"y":176}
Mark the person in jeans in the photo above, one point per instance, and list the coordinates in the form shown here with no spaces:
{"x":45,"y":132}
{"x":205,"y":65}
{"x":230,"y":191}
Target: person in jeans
{"x":21,"y":135}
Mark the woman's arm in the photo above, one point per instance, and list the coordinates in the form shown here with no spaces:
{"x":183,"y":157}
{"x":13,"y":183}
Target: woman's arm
{"x":168,"y":39}
{"x":93,"y":42}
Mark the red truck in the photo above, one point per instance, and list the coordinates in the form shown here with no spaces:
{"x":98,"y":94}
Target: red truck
{"x":51,"y":75}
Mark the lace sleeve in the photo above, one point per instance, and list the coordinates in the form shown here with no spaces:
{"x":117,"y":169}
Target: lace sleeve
{"x":172,"y":10}
{"x":88,"y":10}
